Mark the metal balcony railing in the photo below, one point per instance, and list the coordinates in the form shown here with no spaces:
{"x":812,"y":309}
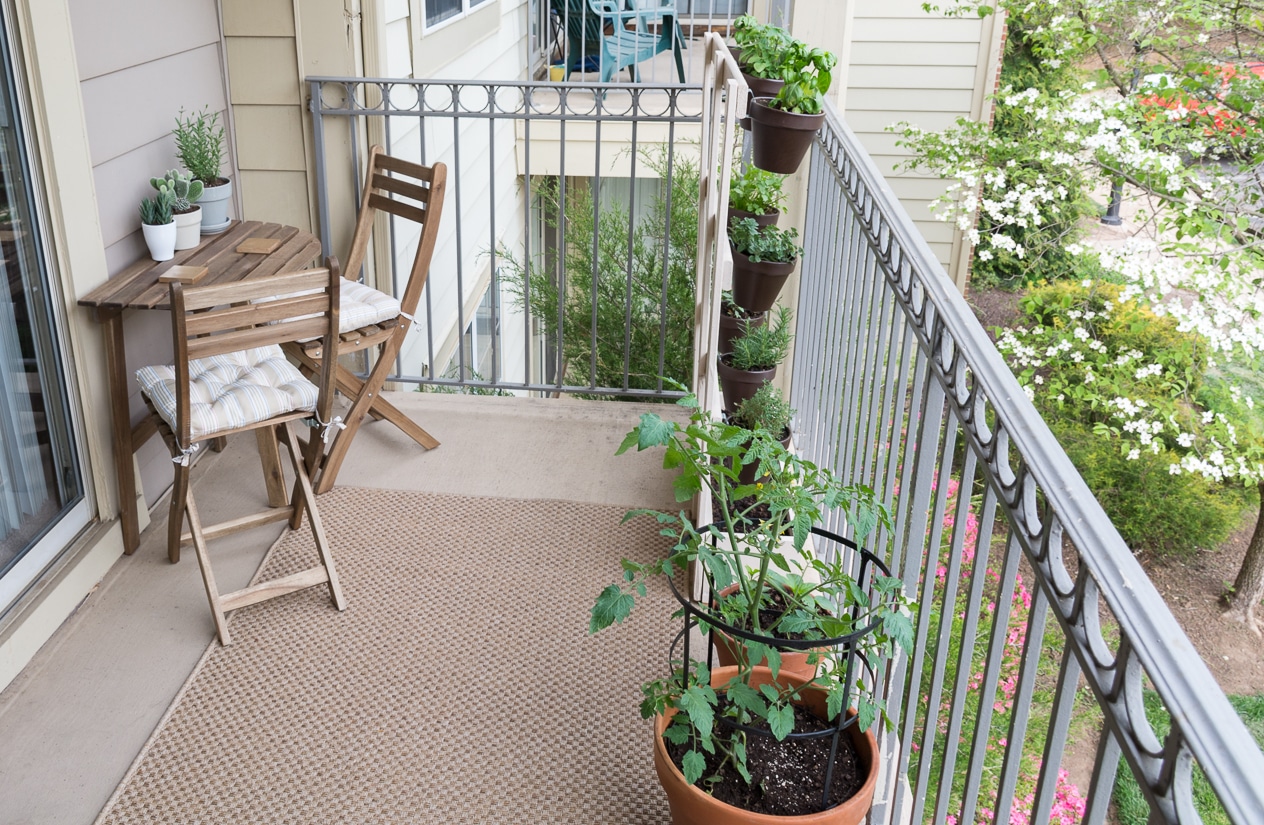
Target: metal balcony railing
{"x":1037,"y":630}
{"x":568,"y":242}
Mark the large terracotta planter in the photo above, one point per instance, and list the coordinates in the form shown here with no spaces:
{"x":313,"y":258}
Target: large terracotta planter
{"x":756,"y":284}
{"x":692,"y":806}
{"x":759,"y":87}
{"x":738,"y":385}
{"x":730,"y":652}
{"x":781,"y":138}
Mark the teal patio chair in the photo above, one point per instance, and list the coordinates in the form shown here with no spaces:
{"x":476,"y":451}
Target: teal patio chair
{"x":599,"y":29}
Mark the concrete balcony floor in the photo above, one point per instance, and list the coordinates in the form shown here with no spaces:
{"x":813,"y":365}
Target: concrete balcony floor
{"x":80,"y":712}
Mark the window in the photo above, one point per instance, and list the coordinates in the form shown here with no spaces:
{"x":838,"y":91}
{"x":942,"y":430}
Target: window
{"x":439,"y":11}
{"x":42,"y":501}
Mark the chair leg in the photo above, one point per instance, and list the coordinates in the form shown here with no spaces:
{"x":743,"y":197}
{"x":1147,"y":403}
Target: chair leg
{"x":175,"y":518}
{"x":308,"y":497}
{"x":271,"y":460}
{"x":208,"y":576}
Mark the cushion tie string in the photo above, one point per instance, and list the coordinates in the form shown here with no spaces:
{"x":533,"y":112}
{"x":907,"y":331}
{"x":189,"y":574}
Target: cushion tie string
{"x":330,"y":429}
{"x":410,"y":318}
{"x":186,"y":453}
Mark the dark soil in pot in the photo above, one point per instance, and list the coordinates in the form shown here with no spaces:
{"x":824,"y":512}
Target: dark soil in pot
{"x":788,"y":777}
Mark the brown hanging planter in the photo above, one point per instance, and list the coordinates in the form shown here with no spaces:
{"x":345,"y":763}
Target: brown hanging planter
{"x":766,"y":219}
{"x":731,"y":329}
{"x":759,"y":87}
{"x":756,"y":284}
{"x":738,"y":385}
{"x":781,"y":138}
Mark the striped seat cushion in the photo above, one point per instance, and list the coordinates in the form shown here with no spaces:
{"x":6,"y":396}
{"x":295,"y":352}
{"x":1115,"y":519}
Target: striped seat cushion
{"x":231,"y":391}
{"x":360,"y":306}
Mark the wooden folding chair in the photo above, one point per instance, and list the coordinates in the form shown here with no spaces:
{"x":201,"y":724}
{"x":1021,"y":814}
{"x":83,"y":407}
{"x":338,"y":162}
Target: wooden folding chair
{"x":230,"y":375}
{"x":370,"y":317}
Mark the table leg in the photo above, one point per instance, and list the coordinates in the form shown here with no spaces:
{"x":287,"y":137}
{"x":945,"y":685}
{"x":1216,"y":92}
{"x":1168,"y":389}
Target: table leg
{"x":121,"y":424}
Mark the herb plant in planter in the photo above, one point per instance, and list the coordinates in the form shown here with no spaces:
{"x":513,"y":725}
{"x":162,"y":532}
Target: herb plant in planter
{"x":200,"y":145}
{"x":756,"y":194}
{"x":766,"y":410}
{"x":723,"y":734}
{"x":783,"y":126}
{"x":754,"y":359}
{"x":158,"y":225}
{"x":184,"y":208}
{"x":758,"y":47}
{"x":731,"y":318}
{"x":763,"y":258}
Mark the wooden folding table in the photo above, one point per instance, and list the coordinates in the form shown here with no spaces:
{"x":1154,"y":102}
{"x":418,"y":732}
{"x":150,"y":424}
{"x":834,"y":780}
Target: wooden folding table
{"x":246,"y":249}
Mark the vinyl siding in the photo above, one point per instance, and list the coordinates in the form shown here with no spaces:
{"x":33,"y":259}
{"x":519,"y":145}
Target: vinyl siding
{"x":908,"y":65}
{"x":158,"y":57}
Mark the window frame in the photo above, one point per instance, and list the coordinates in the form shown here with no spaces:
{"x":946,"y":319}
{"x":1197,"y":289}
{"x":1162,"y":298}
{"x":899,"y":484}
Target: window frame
{"x":468,"y":7}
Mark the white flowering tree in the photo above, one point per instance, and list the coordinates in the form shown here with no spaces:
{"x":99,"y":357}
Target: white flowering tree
{"x":1174,"y":118}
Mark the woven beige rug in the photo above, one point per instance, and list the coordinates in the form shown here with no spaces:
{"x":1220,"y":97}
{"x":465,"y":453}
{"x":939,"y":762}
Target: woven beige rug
{"x":460,"y":685}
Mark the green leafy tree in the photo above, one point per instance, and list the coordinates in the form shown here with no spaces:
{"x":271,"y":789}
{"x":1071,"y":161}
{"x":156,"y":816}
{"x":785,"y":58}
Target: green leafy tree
{"x":627,"y":295}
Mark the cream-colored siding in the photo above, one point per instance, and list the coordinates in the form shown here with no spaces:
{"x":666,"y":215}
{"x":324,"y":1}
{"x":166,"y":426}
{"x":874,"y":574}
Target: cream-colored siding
{"x":141,"y":62}
{"x":908,"y":65}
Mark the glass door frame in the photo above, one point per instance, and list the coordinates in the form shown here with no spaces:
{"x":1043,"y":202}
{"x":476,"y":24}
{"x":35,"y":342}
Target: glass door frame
{"x":55,"y":537}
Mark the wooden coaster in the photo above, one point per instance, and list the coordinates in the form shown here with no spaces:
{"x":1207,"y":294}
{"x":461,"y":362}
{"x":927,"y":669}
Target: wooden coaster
{"x":259,"y":245}
{"x":183,"y":275}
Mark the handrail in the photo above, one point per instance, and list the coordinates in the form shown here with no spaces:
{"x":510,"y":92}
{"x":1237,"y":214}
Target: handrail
{"x":1047,"y":504}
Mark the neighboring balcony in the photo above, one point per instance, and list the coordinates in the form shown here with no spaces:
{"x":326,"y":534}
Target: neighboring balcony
{"x":896,"y":386}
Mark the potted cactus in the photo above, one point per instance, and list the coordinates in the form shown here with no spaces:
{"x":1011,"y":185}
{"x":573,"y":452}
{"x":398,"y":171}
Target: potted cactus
{"x":200,"y":145}
{"x":188,"y":215}
{"x":158,"y":225}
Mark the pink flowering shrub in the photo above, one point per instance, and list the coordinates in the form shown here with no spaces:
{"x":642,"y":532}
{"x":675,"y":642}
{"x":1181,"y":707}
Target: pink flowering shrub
{"x":1068,"y":805}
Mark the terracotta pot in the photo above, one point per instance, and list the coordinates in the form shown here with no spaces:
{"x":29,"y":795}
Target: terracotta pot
{"x":691,"y":806}
{"x":756,"y":284}
{"x":738,"y":385}
{"x":759,"y":87}
{"x":731,"y":329}
{"x":730,"y":652}
{"x":766,"y":219}
{"x":781,"y":138}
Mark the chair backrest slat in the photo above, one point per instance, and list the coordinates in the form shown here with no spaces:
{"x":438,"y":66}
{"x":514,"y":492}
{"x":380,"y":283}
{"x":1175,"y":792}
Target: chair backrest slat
{"x":252,"y":337}
{"x":267,"y":312}
{"x":403,"y":188}
{"x":399,"y":208}
{"x":404,"y":167}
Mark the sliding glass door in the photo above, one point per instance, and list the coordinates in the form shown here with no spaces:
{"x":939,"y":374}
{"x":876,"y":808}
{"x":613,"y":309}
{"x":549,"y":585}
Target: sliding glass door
{"x":42,"y":502}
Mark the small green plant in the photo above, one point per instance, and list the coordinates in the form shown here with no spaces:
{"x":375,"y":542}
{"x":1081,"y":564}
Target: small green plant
{"x":761,"y":47}
{"x":186,"y":189}
{"x":200,"y":145}
{"x":757,"y":191}
{"x":731,"y":309}
{"x":769,"y":555}
{"x":767,"y":243}
{"x":763,"y":347}
{"x":766,"y":410}
{"x":157,"y":211}
{"x":807,"y":73}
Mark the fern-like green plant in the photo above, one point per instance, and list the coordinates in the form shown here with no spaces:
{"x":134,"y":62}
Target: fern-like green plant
{"x":200,"y":144}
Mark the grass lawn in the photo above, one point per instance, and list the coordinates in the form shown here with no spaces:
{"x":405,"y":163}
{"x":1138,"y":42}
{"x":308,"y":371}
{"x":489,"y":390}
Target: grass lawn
{"x":1131,"y":807}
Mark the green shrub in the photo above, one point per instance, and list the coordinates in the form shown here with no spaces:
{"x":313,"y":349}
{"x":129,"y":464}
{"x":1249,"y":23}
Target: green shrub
{"x":1151,"y":508}
{"x":1122,"y":389}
